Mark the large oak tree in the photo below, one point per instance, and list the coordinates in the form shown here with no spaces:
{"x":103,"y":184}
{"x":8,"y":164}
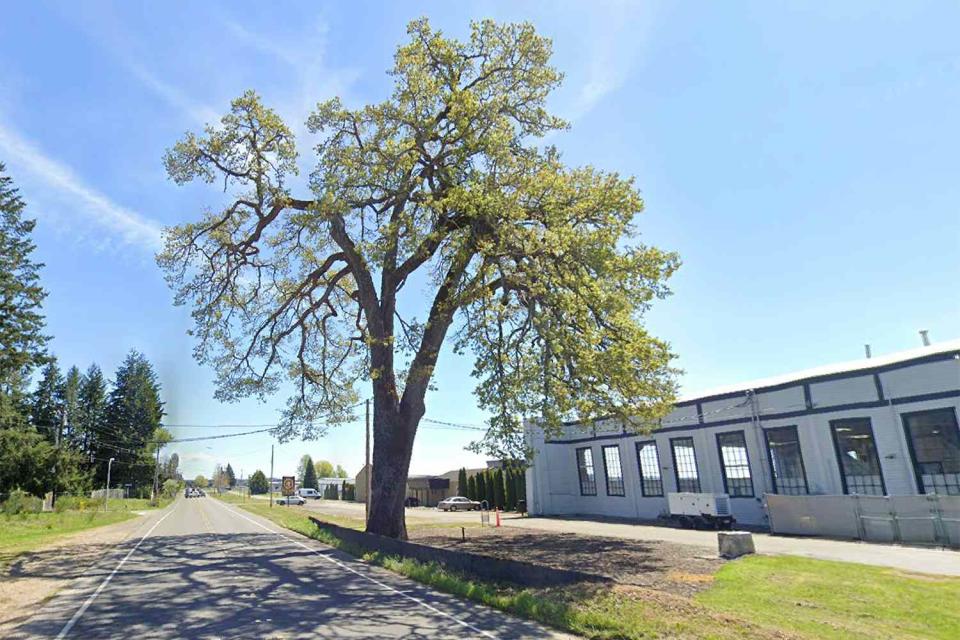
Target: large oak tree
{"x":444,"y":193}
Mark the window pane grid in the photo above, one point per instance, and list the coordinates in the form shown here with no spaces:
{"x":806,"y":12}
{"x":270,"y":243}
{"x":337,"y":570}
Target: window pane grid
{"x":613,"y":470}
{"x":934,"y":440}
{"x":588,"y":481}
{"x":685,"y":465}
{"x":786,"y":461}
{"x":735,"y":464}
{"x":858,"y":457}
{"x":651,"y":482}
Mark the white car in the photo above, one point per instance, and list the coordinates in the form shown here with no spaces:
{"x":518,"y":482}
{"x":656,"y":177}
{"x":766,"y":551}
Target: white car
{"x":308,"y":493}
{"x":288,"y":500}
{"x":459,"y":503}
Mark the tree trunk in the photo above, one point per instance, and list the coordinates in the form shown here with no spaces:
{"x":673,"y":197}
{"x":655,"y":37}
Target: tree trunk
{"x":393,"y":435}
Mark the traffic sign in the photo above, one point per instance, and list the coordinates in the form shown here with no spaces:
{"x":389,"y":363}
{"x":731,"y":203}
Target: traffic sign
{"x":288,"y":485}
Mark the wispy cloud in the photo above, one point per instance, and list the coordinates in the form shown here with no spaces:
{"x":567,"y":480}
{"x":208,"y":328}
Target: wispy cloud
{"x":59,"y":181}
{"x":200,"y":113}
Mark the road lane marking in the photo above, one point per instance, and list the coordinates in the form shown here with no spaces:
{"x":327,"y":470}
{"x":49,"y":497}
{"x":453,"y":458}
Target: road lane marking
{"x":83,"y":608}
{"x":402,"y":594}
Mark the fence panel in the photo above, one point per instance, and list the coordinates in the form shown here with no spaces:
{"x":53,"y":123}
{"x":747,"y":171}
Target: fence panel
{"x":923,"y":519}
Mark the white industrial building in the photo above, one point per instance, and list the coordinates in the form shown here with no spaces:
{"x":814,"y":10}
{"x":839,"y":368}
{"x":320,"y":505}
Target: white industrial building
{"x":873,"y":427}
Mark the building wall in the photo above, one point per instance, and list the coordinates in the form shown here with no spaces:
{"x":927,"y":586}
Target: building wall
{"x":882,"y":395}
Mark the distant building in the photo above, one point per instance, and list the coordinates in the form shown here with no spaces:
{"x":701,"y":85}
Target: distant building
{"x":428,"y":490}
{"x":877,"y":426}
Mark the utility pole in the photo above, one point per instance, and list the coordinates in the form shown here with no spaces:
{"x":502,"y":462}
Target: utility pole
{"x":156,"y":476}
{"x":271,"y":476}
{"x":56,"y":459}
{"x":106,"y":495}
{"x":368,"y":471}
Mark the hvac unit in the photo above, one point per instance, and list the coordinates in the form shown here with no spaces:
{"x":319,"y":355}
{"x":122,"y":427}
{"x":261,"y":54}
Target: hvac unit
{"x":700,"y":510}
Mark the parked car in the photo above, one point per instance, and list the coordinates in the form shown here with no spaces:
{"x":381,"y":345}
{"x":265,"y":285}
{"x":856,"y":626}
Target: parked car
{"x":288,"y":500}
{"x":306,"y":492}
{"x":459,"y":503}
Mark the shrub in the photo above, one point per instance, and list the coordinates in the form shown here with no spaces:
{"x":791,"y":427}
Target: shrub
{"x":21,"y":502}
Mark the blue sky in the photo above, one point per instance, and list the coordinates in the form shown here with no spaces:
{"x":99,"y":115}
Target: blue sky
{"x":801,"y":159}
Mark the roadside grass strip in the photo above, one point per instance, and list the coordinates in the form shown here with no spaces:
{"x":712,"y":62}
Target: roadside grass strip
{"x":778,"y":597}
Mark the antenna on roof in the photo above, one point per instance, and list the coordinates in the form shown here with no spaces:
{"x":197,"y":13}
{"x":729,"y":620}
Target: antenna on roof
{"x":924,"y":337}
{"x":866,"y":348}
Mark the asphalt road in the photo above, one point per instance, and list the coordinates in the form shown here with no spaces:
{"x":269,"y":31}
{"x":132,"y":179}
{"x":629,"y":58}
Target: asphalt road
{"x":205,"y":569}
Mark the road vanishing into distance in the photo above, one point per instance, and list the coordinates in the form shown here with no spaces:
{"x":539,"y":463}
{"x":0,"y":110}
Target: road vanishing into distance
{"x":204,"y":569}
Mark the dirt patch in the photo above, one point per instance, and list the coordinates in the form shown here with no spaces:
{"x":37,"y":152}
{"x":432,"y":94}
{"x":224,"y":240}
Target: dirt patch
{"x":672,"y":568}
{"x":35,"y":576}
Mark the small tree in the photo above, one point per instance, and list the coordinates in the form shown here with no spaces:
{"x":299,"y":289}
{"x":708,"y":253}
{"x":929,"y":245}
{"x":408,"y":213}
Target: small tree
{"x":330,"y":492}
{"x":258,"y":483}
{"x":349,"y":492}
{"x":201,"y":482}
{"x":488,"y":485}
{"x":510,"y":491}
{"x":340,"y":472}
{"x":481,"y":487}
{"x":499,"y":496}
{"x":472,"y":487}
{"x":324,"y":469}
{"x":309,"y":477}
{"x":462,"y":482}
{"x":231,"y":477}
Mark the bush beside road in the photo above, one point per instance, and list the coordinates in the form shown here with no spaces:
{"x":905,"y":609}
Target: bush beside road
{"x":754,"y":597}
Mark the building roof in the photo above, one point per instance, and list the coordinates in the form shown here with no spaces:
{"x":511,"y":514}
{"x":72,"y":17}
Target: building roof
{"x":865,"y":364}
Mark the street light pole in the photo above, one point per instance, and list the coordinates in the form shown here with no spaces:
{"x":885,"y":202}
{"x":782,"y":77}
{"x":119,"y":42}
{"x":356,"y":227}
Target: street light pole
{"x":106,"y":494}
{"x":271,"y":476}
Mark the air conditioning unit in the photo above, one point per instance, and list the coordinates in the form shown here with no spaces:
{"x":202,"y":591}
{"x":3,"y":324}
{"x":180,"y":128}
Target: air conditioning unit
{"x":700,"y":510}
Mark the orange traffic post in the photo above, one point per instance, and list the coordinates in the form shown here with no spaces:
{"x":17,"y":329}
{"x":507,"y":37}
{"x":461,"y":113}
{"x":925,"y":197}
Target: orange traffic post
{"x":498,"y":516}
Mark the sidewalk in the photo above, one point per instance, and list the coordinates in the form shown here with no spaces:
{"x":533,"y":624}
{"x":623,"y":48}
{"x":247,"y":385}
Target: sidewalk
{"x":916,"y":559}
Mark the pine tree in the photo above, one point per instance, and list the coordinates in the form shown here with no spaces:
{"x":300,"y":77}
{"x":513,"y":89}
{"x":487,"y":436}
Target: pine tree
{"x":472,"y":487}
{"x":462,"y":482}
{"x":481,"y":487}
{"x":488,"y":482}
{"x":46,"y":412}
{"x":498,"y":493}
{"x":133,"y":417}
{"x":510,"y":491}
{"x":309,"y":477}
{"x":231,"y":476}
{"x":71,"y":406}
{"x":92,"y":414}
{"x":21,"y":299}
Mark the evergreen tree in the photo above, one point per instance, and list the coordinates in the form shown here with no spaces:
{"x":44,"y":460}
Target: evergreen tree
{"x":46,"y":412}
{"x":21,"y":299}
{"x":92,"y":410}
{"x":133,"y":417}
{"x":309,"y":477}
{"x":258,"y":483}
{"x":510,"y":491}
{"x":488,"y":483}
{"x":231,"y":477}
{"x":71,"y":406}
{"x":26,"y":461}
{"x":498,"y":493}
{"x":462,"y":482}
{"x":481,"y":487}
{"x":472,"y":487}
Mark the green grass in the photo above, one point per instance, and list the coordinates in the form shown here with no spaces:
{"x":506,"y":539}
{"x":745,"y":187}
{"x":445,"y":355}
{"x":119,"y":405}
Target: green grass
{"x":27,"y":531}
{"x":820,"y":599}
{"x":755,"y":597}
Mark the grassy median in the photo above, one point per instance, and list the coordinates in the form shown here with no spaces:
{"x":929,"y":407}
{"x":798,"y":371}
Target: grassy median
{"x":755,"y":597}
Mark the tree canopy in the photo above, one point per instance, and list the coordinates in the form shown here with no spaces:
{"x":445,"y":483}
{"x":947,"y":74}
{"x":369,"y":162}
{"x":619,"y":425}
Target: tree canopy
{"x":530,"y":265}
{"x":258,"y":482}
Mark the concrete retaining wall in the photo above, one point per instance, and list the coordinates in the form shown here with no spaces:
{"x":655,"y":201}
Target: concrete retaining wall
{"x":515,"y":571}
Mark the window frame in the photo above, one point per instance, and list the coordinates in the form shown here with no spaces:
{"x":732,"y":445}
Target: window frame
{"x":606,"y":472}
{"x":656,"y":452}
{"x":593,"y":468}
{"x":676,"y":469}
{"x":723,"y":464}
{"x":803,"y":465}
{"x":907,"y":432}
{"x":839,"y":453}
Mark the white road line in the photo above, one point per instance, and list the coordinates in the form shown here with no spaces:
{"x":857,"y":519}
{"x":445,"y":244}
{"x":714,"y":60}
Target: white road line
{"x":365,"y":577}
{"x":83,"y":608}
